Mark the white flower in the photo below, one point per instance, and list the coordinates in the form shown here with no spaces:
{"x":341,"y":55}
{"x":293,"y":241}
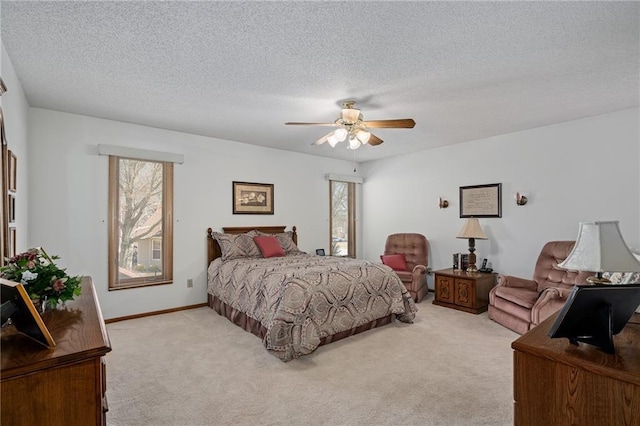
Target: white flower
{"x":28,"y":276}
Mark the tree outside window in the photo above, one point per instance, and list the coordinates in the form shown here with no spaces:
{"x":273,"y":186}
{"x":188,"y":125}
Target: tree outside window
{"x":342,"y":221}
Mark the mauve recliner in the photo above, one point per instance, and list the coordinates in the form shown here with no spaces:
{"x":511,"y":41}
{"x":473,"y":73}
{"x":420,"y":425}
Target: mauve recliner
{"x":414,"y":247}
{"x":520,"y":304}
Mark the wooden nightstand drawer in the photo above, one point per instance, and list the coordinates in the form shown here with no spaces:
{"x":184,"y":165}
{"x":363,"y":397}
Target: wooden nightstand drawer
{"x":444,"y":289}
{"x":467,"y":292}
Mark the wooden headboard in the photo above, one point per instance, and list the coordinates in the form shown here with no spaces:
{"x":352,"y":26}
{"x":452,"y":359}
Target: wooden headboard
{"x":213,"y":249}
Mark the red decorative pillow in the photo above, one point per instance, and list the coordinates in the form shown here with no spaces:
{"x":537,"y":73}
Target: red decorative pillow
{"x":397,"y":262}
{"x":269,"y":246}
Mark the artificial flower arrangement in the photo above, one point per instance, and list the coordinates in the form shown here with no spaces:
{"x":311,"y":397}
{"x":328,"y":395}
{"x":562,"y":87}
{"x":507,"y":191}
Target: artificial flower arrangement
{"x":41,"y":277}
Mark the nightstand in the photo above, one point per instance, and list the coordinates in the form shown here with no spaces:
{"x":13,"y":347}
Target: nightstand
{"x":468,"y":292}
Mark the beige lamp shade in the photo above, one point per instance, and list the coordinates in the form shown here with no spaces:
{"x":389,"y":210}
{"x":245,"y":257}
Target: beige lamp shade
{"x":600,"y":248}
{"x":472,"y":229}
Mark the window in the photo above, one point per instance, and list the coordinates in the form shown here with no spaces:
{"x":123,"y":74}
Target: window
{"x":343,"y":218}
{"x":156,"y":249}
{"x":140,"y":222}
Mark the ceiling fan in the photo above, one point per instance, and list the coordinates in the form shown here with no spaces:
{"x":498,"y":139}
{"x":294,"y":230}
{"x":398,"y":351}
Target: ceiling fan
{"x":351,"y":126}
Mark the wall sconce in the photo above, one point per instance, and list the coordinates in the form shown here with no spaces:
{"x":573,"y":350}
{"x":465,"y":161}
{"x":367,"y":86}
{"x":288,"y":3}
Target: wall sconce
{"x":521,"y":200}
{"x":443,"y":204}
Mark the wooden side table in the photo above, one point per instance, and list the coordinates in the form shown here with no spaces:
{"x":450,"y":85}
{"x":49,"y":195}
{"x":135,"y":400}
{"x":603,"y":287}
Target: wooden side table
{"x":468,"y":292}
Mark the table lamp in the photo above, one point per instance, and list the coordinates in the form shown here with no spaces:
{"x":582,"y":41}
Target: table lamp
{"x":472,"y":231}
{"x":600,"y":248}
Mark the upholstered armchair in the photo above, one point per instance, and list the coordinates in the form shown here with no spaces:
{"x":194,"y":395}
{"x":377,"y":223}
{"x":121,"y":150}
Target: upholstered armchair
{"x":412,"y":271}
{"x":520,"y":304}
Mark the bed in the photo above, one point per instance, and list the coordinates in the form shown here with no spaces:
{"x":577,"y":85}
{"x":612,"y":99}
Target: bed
{"x":298,"y":302}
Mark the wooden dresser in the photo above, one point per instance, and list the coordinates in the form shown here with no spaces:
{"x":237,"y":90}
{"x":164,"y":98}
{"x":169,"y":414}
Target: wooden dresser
{"x":556,"y":383}
{"x":64,"y":385}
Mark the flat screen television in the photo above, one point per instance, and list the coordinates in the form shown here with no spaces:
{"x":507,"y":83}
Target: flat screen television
{"x":593,"y":314}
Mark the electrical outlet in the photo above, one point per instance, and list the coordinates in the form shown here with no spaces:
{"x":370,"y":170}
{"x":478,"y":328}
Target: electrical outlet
{"x":190,"y":283}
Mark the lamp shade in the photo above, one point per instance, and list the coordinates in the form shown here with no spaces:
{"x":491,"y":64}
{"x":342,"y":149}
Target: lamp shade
{"x":332,"y":139}
{"x":600,"y":248}
{"x":354,"y":143}
{"x":341,"y":134}
{"x":363,"y":136}
{"x":472,"y":229}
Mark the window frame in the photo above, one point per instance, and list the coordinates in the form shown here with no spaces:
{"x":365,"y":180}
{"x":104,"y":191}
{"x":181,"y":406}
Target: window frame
{"x":351,"y":218}
{"x":113,"y":227}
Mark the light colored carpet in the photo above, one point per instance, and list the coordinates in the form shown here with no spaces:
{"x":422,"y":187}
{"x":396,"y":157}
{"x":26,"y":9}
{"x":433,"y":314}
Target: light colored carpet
{"x":196,"y":368}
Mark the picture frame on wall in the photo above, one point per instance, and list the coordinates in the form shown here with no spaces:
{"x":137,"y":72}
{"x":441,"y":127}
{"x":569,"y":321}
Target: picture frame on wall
{"x":12,"y":242}
{"x":481,"y":200}
{"x":252,"y":198}
{"x":12,"y":208}
{"x":13,"y":171}
{"x":3,"y":136}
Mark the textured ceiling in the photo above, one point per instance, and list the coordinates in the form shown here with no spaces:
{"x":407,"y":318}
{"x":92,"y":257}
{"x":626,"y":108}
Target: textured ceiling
{"x":240,"y":70}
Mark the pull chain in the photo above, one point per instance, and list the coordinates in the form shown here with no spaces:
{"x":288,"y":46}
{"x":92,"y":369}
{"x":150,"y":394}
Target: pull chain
{"x":354,"y":161}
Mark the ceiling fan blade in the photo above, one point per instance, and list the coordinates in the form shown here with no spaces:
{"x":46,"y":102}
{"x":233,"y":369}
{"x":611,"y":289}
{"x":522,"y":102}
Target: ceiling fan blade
{"x":374,"y":140}
{"x":290,"y":123}
{"x":321,"y":140}
{"x":401,"y":123}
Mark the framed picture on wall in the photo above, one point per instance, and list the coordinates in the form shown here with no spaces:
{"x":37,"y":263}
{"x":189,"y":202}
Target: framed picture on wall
{"x":252,"y":198}
{"x":12,"y":242}
{"x":481,"y":200}
{"x":3,"y":137}
{"x":13,"y":171}
{"x":12,"y":208}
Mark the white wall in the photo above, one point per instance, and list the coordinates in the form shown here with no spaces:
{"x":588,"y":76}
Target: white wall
{"x":15,"y":113}
{"x":576,"y":171}
{"x":582,"y":170}
{"x":68,"y":199}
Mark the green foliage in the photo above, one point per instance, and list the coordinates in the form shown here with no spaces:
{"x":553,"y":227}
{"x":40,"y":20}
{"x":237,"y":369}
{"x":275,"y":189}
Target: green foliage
{"x":41,"y":277}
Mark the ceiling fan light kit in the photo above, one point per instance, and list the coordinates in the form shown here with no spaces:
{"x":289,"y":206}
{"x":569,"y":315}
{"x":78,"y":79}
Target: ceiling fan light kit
{"x":350,"y":114}
{"x":351,"y":126}
{"x":354,"y":143}
{"x":363,"y":136}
